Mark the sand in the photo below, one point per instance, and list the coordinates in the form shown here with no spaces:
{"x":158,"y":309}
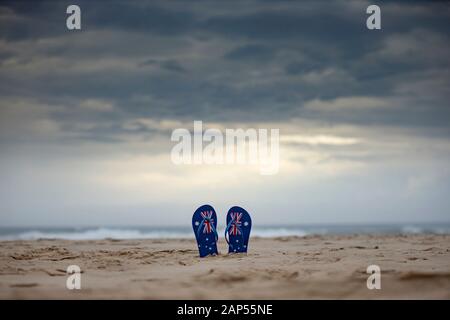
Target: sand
{"x":324,"y":267}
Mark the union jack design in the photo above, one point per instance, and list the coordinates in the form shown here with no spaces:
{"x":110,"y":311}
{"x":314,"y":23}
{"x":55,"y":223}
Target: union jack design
{"x":208,"y":221}
{"x":236,"y":223}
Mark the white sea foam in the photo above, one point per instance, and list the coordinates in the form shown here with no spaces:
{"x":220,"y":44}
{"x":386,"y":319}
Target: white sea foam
{"x":412,"y":229}
{"x":97,"y":234}
{"x":129,"y":233}
{"x":186,"y":232}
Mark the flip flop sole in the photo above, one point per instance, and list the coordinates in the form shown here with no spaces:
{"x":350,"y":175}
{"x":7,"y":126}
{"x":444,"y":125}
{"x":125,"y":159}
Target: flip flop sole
{"x":204,"y":224}
{"x":239,"y":225}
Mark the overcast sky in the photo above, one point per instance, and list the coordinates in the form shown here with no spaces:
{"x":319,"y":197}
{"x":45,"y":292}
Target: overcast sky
{"x":86,"y":116}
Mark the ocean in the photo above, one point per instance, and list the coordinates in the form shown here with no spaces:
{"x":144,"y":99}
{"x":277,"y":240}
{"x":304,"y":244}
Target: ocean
{"x":148,"y":232}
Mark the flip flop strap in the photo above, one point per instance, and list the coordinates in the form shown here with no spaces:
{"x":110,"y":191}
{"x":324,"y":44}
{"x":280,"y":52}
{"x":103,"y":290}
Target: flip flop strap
{"x":212,"y":227}
{"x":228,"y":228}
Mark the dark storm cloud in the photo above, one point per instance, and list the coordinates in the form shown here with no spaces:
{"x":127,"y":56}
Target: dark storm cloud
{"x":277,"y":25}
{"x":146,"y":18}
{"x":36,"y":19}
{"x":296,"y":68}
{"x":251,"y":52}
{"x":170,"y":65}
{"x":22,"y":20}
{"x":159,"y":60}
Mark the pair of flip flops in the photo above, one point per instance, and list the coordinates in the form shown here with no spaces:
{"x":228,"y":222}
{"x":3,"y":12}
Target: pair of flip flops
{"x":237,"y":232}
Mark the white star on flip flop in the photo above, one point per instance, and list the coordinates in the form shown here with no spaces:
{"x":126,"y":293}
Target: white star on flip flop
{"x":245,"y":223}
{"x":197,"y":223}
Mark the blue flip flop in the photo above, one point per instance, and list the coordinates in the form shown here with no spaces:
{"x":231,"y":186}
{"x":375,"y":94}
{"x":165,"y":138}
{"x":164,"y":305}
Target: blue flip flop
{"x":237,"y":232}
{"x":204,"y":223}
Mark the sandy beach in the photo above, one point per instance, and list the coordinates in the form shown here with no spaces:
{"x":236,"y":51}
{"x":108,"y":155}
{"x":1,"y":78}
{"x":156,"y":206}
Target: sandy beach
{"x":328,"y":267}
